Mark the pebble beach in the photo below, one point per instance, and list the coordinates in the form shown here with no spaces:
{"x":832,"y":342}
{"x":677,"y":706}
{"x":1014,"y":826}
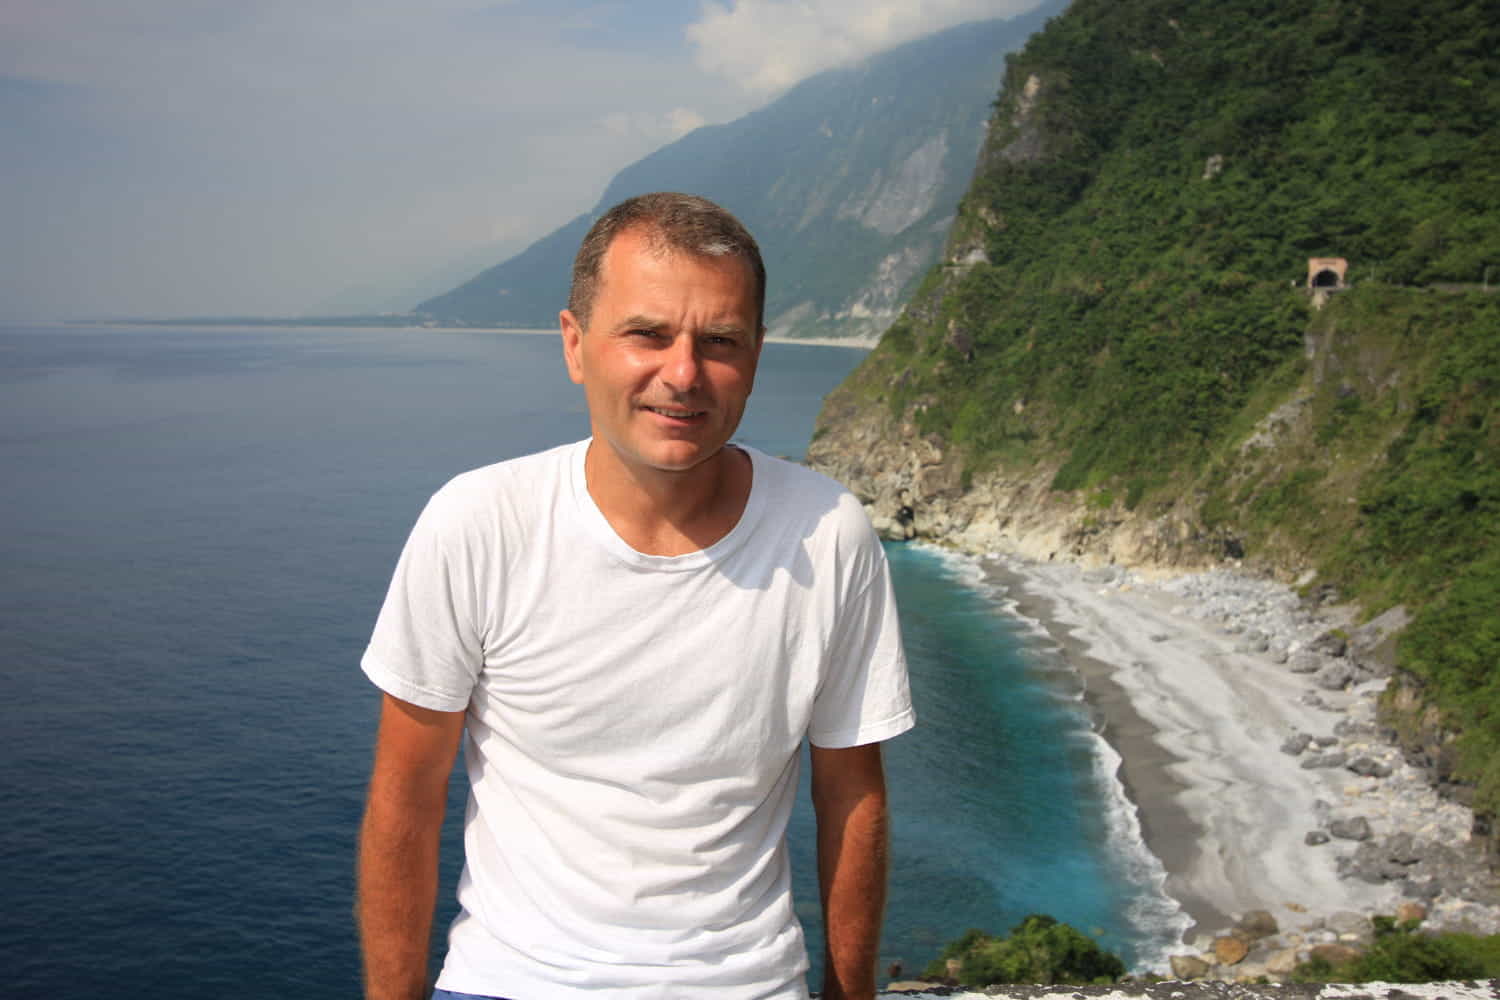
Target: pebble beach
{"x":1251,"y":748}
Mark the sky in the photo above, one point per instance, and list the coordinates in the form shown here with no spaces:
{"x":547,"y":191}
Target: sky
{"x":299,"y":157}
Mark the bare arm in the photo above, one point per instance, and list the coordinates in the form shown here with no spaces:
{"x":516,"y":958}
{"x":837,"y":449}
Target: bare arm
{"x":848,"y":792}
{"x":398,"y":846}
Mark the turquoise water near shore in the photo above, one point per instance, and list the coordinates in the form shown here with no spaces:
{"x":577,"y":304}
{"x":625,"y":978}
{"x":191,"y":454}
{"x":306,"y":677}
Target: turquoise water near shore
{"x":200,"y":526}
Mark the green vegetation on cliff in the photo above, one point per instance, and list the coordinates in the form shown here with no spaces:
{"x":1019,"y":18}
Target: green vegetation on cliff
{"x":1145,"y":209}
{"x":1039,"y":950}
{"x":1122,"y":304}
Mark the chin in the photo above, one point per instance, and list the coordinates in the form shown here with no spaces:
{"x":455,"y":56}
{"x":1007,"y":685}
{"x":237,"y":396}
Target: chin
{"x":680,"y":459}
{"x":682,"y":463}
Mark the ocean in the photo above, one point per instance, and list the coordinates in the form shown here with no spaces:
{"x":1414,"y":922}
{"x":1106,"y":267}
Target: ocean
{"x":199,"y":528}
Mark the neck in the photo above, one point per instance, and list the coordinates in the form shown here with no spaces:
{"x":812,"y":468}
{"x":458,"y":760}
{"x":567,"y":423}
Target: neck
{"x":669,"y":513}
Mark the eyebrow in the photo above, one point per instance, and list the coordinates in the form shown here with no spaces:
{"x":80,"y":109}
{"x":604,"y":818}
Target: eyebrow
{"x":721,"y":329}
{"x":641,"y":321}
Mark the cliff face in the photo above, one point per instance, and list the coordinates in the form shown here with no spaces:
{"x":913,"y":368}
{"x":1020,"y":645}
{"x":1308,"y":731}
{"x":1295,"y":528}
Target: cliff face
{"x":916,"y":488}
{"x":1118,"y":360}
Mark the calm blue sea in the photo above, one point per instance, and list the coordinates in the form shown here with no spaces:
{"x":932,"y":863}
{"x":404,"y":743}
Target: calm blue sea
{"x":199,"y":525}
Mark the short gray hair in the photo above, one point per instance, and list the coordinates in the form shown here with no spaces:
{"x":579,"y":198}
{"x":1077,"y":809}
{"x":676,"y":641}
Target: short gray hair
{"x":670,"y":221}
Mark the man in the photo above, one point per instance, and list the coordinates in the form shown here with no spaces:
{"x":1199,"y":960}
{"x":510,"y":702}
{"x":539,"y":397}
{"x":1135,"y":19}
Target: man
{"x":637,"y":632}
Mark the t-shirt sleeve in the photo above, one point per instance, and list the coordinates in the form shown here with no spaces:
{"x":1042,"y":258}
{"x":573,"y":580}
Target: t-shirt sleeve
{"x":426,"y":648}
{"x":865,"y":696}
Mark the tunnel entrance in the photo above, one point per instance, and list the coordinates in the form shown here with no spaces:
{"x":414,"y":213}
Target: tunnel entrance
{"x":1326,"y":273}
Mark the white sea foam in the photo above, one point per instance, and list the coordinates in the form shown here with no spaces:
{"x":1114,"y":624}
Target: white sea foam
{"x":1160,"y":919}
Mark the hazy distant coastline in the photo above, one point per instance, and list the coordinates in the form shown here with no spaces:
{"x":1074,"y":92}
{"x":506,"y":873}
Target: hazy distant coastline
{"x":404,"y":322}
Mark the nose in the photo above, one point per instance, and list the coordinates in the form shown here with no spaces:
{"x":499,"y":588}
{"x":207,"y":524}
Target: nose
{"x":681,"y":367}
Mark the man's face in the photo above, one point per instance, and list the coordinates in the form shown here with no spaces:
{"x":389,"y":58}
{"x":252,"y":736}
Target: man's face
{"x":669,"y":356}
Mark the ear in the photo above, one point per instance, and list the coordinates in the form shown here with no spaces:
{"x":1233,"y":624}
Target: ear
{"x":572,"y":339}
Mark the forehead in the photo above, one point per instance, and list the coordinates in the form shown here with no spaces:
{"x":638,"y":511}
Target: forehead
{"x":638,"y":260}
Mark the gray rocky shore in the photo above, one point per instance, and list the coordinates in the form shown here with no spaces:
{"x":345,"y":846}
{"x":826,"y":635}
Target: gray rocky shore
{"x":1377,"y":818}
{"x":1389,"y":826}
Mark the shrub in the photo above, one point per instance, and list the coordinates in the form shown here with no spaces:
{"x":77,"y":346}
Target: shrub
{"x":1039,"y":950}
{"x":1403,"y":954}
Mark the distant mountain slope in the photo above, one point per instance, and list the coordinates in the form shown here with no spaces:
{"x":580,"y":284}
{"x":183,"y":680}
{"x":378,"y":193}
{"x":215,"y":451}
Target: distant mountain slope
{"x":849,"y":182}
{"x":1117,"y":359}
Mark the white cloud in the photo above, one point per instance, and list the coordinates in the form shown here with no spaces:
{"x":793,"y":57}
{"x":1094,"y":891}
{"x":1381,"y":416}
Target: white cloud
{"x":766,"y":46}
{"x":681,"y":121}
{"x":652,"y":128}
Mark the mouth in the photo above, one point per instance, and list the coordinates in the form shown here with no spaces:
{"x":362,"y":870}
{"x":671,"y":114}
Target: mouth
{"x":677,"y":412}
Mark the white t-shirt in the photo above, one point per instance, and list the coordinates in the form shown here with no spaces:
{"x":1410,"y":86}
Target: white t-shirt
{"x":634,"y":722}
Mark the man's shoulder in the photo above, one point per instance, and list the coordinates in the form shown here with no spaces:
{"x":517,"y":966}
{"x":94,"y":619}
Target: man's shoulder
{"x":794,"y":488}
{"x":504,"y":483}
{"x":795,"y":479}
{"x":484,"y":480}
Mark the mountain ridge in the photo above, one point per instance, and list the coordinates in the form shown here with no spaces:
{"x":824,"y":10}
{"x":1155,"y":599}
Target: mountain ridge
{"x":849,"y":182}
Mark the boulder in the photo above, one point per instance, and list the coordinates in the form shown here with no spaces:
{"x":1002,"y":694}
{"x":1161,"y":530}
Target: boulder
{"x":1250,"y":972}
{"x":1353,"y":729}
{"x":1335,"y":759}
{"x":1336,"y":954}
{"x":1230,"y":950}
{"x":1295,"y":743}
{"x":1304,"y":661}
{"x":1316,"y":837}
{"x":1357,"y":828}
{"x":1402,"y":849}
{"x":1372,"y":862}
{"x":1188,"y":967}
{"x":1374,"y":643}
{"x":1334,"y":676}
{"x":1257,"y":924}
{"x":1422,"y":888}
{"x":1331,"y":643}
{"x":1281,"y":963}
{"x":1369,"y":767}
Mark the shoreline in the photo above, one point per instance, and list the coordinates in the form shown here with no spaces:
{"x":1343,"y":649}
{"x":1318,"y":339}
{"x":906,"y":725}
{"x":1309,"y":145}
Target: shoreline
{"x":1238,"y":761}
{"x":1166,"y":826}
